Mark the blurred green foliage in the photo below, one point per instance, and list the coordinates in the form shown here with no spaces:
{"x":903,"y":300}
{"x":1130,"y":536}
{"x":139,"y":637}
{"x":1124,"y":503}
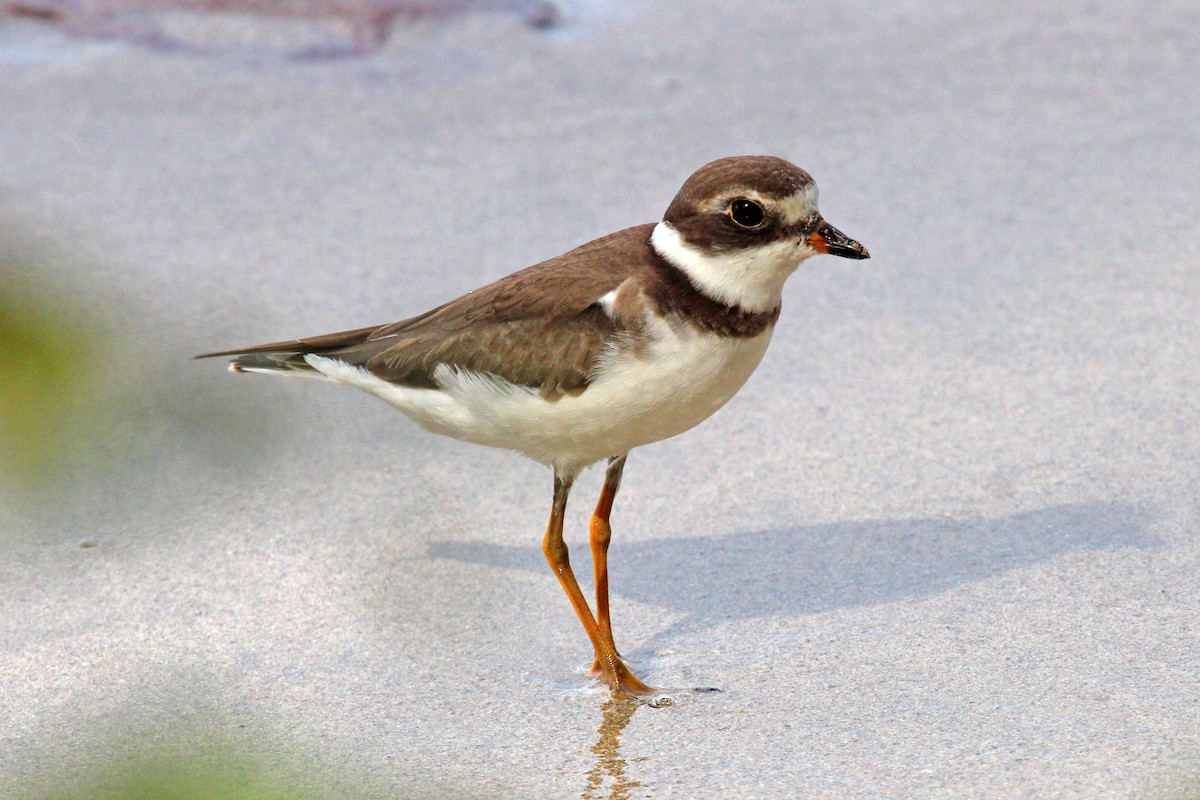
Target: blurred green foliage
{"x":48,"y":372}
{"x":178,"y":777}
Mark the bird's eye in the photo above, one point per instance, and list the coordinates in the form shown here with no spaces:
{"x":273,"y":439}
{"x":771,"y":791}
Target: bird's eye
{"x":746,"y":213}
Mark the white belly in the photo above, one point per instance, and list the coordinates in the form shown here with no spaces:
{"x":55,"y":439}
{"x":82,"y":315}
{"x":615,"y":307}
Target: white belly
{"x":669,"y":386}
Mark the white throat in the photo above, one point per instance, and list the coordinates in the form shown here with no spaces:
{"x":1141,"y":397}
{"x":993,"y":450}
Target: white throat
{"x":752,"y":278}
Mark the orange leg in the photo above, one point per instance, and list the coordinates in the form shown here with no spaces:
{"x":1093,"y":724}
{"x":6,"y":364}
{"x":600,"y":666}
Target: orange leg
{"x":614,"y":671}
{"x":601,"y":535}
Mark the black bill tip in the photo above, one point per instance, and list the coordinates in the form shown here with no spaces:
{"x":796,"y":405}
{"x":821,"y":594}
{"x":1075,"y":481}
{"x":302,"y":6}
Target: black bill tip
{"x":828,"y":239}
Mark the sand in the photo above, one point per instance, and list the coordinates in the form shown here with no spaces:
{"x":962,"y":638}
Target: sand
{"x":943,"y":545}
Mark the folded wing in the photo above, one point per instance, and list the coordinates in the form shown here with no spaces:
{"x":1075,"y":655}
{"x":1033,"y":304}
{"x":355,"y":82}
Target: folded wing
{"x":542,"y":327}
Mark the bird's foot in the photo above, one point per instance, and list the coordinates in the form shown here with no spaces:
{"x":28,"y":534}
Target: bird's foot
{"x":625,"y":685}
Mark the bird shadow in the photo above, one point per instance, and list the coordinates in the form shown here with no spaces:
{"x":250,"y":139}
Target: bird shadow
{"x":806,"y":569}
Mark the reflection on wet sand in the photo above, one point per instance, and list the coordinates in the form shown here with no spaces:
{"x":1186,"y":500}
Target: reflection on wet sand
{"x":610,"y":766}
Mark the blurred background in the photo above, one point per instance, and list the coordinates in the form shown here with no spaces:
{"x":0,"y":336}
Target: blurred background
{"x":943,"y":544}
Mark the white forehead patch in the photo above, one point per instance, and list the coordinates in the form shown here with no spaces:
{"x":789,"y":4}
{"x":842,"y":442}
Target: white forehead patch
{"x":800,"y":206}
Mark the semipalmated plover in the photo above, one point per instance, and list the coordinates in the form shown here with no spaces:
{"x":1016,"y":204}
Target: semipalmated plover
{"x":630,"y":339}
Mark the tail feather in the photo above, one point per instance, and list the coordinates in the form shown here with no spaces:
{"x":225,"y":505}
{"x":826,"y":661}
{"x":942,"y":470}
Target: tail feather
{"x":287,"y":358}
{"x":292,"y":364}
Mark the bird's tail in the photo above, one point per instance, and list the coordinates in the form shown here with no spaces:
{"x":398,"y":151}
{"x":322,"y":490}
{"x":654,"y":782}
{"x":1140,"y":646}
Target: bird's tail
{"x":290,"y":358}
{"x":286,"y":364}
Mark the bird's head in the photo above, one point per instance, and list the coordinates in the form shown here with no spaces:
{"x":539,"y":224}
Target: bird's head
{"x":740,"y":226}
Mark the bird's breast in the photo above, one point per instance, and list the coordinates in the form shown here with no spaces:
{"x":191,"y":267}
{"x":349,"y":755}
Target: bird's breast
{"x":669,"y":380}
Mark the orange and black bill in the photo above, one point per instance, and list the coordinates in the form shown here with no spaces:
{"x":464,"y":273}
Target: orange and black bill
{"x":828,"y":239}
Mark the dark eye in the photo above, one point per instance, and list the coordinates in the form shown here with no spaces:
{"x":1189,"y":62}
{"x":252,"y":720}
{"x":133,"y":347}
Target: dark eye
{"x":746,"y":213}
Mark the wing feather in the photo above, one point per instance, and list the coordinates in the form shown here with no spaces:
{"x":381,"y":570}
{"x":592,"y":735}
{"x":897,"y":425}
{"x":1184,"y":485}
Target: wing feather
{"x":540,"y":327}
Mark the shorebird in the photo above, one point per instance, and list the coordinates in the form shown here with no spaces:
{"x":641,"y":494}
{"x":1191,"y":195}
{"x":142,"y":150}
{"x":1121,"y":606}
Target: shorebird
{"x":627,"y":340}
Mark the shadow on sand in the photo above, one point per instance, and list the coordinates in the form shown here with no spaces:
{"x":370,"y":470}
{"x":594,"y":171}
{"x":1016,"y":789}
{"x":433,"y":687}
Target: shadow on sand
{"x":806,"y":569}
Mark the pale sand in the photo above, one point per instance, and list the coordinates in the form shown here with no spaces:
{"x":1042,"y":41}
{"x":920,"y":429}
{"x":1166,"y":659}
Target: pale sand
{"x":944,"y":544}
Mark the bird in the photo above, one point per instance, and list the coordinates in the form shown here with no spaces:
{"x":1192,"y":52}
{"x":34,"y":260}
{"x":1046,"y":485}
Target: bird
{"x":627,"y":340}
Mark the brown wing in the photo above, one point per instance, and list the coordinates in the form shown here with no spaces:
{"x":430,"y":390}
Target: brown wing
{"x":540,"y":327}
{"x":312,"y":344}
{"x":554,"y":355}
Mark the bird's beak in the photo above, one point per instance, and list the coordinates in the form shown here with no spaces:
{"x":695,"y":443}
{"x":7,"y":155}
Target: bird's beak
{"x":828,"y":239}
